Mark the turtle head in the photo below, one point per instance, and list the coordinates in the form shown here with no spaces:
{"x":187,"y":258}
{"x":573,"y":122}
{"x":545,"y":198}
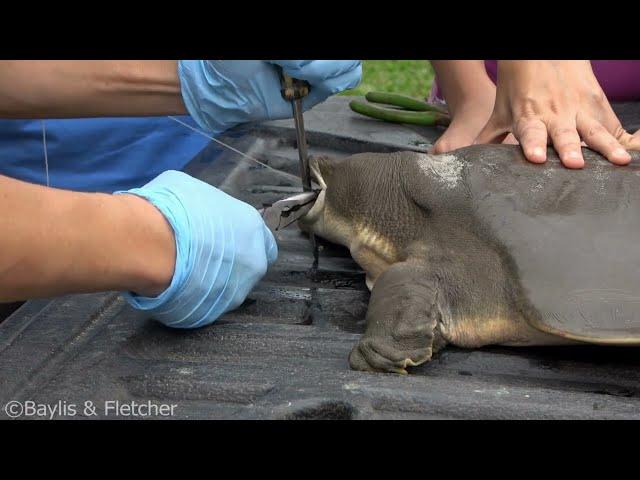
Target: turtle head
{"x":325,"y":174}
{"x":354,"y":191}
{"x":322,"y":169}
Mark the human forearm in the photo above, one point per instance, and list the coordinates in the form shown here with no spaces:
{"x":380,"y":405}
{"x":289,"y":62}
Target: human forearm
{"x":56,"y":242}
{"x":89,"y":88}
{"x":470,"y":95}
{"x":463,"y":81}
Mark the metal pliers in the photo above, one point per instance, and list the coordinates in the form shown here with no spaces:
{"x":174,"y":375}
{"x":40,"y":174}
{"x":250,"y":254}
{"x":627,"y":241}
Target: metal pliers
{"x":288,"y":210}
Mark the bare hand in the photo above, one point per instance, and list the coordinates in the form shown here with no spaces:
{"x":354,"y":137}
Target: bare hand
{"x":559,"y":102}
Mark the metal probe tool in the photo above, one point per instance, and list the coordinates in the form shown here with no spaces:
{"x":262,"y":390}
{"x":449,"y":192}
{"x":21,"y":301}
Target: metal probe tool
{"x":294,"y":90}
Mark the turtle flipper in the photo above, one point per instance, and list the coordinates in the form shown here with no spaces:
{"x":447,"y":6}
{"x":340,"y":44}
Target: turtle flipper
{"x":402,"y":321}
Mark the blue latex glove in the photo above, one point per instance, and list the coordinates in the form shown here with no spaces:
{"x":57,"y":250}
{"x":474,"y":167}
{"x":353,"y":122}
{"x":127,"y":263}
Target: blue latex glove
{"x":220,"y":94}
{"x":223,"y":249}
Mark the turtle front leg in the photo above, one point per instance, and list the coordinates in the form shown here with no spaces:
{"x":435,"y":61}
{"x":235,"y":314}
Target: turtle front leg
{"x":402,"y":321}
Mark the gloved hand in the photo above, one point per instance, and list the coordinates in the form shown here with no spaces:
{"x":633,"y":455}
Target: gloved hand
{"x":223,"y":248}
{"x":220,"y":94}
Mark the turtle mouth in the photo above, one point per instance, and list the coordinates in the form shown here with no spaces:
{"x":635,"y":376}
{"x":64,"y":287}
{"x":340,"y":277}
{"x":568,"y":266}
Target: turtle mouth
{"x":318,"y":184}
{"x":316,"y":174}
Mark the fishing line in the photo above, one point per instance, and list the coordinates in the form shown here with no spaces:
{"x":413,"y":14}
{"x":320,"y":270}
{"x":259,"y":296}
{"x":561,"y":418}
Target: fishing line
{"x":248,"y":157}
{"x":288,"y":175}
{"x":44,"y":147}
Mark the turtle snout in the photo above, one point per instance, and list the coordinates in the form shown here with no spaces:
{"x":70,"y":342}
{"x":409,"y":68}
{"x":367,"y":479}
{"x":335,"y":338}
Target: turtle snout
{"x":317,"y":176}
{"x":309,"y":221}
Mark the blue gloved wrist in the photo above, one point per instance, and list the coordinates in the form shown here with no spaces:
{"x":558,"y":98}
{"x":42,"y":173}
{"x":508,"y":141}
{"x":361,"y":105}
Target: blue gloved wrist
{"x":176,"y":216}
{"x":223,"y":248}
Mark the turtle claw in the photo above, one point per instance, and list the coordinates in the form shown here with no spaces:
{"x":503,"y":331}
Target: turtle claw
{"x":367,"y":356}
{"x":401,"y":321}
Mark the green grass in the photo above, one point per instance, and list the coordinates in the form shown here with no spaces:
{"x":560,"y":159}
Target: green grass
{"x":410,"y":77}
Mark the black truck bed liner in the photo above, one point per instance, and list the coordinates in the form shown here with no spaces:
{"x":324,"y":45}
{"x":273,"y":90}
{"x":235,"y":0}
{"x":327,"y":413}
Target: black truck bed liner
{"x":283,"y":354}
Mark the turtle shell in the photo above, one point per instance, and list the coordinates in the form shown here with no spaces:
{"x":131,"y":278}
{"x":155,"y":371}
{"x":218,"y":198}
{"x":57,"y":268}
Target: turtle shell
{"x":572,"y":238}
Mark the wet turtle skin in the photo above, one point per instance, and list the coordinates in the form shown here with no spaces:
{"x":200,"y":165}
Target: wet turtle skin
{"x":480,"y":247}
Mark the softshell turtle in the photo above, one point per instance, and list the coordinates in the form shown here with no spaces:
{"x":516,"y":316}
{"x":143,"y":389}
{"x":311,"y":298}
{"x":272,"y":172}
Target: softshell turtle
{"x":479,"y":247}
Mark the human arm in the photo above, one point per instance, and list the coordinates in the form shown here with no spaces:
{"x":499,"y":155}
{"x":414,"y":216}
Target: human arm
{"x":57,"y":241}
{"x":218,"y":94}
{"x":177,"y":247}
{"x":470,"y":96}
{"x":89,"y":88}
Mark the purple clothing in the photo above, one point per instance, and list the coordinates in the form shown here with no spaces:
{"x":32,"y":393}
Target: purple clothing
{"x":619,"y":79}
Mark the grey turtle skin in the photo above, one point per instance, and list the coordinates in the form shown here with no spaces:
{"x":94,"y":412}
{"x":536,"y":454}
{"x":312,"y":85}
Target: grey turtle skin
{"x":480,"y":247}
